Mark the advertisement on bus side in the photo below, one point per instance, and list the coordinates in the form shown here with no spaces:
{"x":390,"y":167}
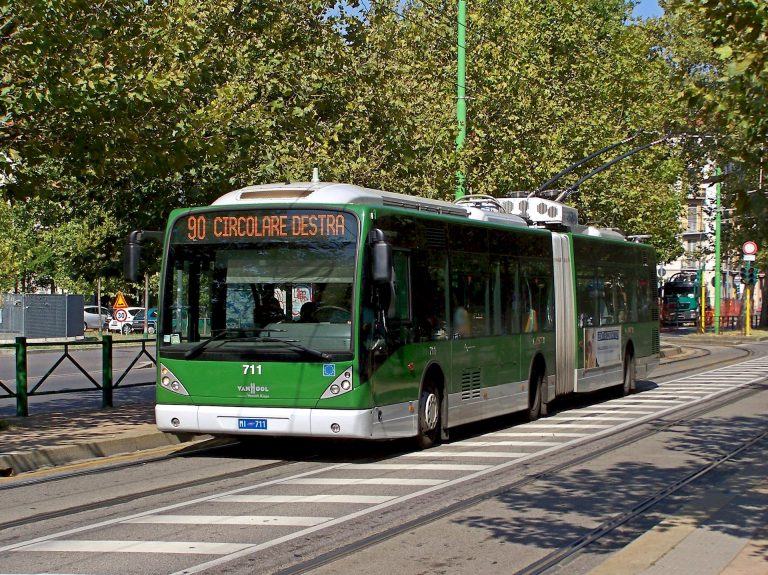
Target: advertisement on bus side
{"x":602,"y":346}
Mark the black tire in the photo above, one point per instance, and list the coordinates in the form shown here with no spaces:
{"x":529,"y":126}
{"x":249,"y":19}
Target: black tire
{"x":150,"y":329}
{"x":628,"y":381}
{"x":534,"y":396}
{"x":429,"y":416}
{"x":126,"y":329}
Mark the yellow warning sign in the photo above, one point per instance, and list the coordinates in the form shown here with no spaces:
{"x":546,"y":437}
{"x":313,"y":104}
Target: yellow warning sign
{"x":120,"y":301}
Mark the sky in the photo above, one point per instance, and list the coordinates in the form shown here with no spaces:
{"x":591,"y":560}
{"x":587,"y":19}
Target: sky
{"x":647,"y":9}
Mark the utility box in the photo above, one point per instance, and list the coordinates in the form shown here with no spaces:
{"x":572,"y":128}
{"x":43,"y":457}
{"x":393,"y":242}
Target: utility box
{"x":40,"y":316}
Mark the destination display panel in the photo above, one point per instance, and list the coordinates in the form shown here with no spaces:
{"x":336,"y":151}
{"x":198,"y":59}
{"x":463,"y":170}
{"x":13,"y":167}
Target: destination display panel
{"x":256,"y":225}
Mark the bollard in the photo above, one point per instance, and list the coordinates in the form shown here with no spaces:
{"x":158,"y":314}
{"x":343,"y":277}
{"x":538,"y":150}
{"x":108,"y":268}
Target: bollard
{"x":106,"y":371}
{"x":22,"y":405}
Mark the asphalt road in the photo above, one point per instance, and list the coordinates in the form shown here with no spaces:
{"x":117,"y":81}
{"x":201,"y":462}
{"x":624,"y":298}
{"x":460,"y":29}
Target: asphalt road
{"x":498,"y":498}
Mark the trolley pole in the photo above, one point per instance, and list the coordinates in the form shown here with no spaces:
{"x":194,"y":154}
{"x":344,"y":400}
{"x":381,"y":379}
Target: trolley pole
{"x":718,"y":271}
{"x":461,"y":102}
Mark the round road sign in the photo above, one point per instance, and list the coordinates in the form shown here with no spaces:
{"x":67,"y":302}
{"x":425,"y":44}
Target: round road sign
{"x":749,"y":248}
{"x":121,"y":315}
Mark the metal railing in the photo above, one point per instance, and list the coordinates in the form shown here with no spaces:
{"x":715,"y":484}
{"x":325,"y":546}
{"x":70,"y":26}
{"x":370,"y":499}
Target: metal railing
{"x":107,"y":384}
{"x":728,"y":323}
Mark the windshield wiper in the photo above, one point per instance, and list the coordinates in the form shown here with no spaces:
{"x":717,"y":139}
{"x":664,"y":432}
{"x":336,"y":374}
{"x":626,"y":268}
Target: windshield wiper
{"x":220,"y":335}
{"x":290,"y":343}
{"x":195,"y":351}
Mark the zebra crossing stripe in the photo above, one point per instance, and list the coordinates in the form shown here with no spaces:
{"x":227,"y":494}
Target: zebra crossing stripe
{"x":268,"y":520}
{"x":185,"y":547}
{"x":539,"y":434}
{"x":506,"y":443}
{"x":437,"y":453}
{"x":418,"y":466}
{"x":570,"y":425}
{"x":590,"y":417}
{"x":323,"y":498}
{"x":359,"y":481}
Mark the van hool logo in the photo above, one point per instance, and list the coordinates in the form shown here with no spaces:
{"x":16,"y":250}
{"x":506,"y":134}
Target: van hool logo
{"x":253,"y":388}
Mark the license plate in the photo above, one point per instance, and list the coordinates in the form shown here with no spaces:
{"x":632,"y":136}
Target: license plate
{"x":251,"y":423}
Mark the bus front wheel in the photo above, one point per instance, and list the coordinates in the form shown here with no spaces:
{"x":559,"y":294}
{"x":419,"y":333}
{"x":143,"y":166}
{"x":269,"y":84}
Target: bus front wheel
{"x":429,"y":416}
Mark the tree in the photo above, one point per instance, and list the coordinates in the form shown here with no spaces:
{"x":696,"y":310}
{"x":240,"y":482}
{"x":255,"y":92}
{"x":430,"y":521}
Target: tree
{"x":116,"y":113}
{"x":737,"y":33}
{"x":130,"y":108}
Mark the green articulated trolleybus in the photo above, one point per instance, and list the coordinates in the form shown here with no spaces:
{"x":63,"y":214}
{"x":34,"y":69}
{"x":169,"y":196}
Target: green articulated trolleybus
{"x":333,"y":310}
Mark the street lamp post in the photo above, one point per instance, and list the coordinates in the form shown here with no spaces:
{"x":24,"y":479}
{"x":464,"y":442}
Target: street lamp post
{"x":718,"y":272}
{"x":461,"y":102}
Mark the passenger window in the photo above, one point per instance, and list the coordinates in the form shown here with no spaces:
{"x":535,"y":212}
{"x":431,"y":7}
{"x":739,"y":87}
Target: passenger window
{"x":470,"y":296}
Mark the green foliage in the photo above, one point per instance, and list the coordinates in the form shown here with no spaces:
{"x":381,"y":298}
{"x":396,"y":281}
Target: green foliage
{"x":731,"y":96}
{"x":736,"y":33}
{"x":113,"y":114}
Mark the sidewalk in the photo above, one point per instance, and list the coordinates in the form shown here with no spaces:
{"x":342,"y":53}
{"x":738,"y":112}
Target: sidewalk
{"x":48,"y":440}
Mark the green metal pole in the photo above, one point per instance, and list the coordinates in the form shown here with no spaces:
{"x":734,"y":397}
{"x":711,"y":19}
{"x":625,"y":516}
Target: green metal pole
{"x":461,"y":102}
{"x":22,"y":405}
{"x":106,"y":371}
{"x":718,"y":270}
{"x":703,"y":301}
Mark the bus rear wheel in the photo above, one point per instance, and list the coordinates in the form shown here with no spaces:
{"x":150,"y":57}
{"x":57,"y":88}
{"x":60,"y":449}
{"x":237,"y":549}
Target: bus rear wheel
{"x":429,"y":416}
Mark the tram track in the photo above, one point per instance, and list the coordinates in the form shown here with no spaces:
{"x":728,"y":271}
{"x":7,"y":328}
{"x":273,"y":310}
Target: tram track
{"x":572,"y":548}
{"x":556,"y":558}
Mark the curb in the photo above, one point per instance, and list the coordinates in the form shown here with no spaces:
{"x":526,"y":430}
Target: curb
{"x":17,"y":462}
{"x":670,"y":351}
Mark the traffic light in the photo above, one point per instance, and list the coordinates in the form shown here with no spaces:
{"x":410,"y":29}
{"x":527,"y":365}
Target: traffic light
{"x":743,"y":274}
{"x":751,"y":276}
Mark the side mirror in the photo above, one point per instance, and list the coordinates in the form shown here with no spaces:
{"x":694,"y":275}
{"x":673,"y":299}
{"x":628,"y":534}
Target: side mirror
{"x":381,"y":258}
{"x":132,"y":252}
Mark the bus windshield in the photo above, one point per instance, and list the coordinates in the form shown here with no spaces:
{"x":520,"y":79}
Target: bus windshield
{"x":271,"y":284}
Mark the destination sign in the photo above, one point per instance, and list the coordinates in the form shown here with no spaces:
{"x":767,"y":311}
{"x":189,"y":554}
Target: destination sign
{"x":222,"y":226}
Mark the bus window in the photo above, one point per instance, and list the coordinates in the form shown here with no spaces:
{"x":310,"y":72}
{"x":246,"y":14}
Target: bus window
{"x":428,"y":278}
{"x":400,"y":307}
{"x":586,"y":298}
{"x":536,"y":296}
{"x":470,"y":296}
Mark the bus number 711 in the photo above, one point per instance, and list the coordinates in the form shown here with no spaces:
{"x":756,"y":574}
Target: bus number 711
{"x":249,"y":368}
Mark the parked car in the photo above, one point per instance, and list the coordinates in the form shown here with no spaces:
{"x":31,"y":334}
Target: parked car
{"x":92,"y":319}
{"x":137,"y":323}
{"x":121,"y":319}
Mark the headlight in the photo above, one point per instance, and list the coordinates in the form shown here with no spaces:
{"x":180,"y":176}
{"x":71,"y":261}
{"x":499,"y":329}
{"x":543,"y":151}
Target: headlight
{"x":171,"y":382}
{"x":340,"y":385}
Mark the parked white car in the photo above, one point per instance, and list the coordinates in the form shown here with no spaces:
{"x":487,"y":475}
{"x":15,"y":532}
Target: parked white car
{"x":122,"y":318}
{"x":92,"y":319}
